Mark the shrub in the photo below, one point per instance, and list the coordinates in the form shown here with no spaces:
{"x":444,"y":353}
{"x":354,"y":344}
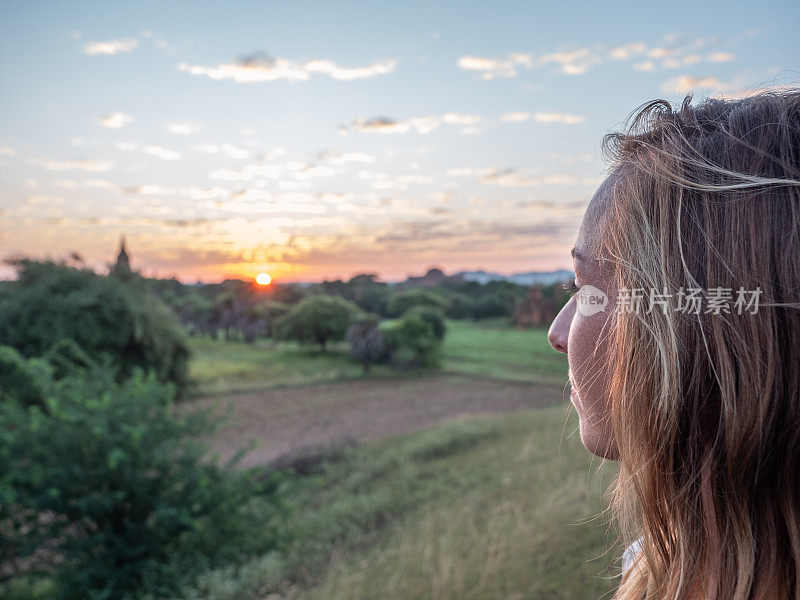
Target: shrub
{"x":432,"y":316}
{"x":110,"y":495}
{"x":50,"y":302}
{"x":318,"y":319}
{"x":366,"y":341}
{"x":412,"y":342}
{"x":21,"y":379}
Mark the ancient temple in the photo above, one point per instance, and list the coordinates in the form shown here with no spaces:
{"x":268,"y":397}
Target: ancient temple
{"x":122,"y":268}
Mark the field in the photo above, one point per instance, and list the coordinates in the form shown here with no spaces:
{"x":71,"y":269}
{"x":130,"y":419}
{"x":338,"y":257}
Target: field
{"x":470,"y":483}
{"x":488,"y":349}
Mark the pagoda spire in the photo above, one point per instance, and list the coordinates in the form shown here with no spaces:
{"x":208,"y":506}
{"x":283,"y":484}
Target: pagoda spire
{"x":122,"y":268}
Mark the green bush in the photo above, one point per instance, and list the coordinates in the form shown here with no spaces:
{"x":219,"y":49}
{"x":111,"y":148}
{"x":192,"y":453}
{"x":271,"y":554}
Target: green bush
{"x":50,"y":302}
{"x":109,"y":494}
{"x":432,"y":316}
{"x":412,"y":341}
{"x":318,"y":319}
{"x":21,"y":379}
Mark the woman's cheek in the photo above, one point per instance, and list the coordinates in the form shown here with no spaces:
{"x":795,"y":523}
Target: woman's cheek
{"x":587,"y":356}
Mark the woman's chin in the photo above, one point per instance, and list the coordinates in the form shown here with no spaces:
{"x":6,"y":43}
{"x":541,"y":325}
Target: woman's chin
{"x":597,"y":446}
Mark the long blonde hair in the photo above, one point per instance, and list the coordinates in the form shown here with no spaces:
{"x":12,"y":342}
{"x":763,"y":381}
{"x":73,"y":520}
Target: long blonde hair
{"x":705,"y":407}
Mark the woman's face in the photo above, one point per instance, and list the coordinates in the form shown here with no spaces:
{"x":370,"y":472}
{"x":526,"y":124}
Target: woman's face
{"x":581,"y":330}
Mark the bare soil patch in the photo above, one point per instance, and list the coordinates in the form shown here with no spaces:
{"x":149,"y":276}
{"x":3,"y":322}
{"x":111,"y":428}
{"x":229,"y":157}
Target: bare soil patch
{"x":292,"y":422}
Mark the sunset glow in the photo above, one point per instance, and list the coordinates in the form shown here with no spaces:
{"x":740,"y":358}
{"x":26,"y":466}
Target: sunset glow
{"x":324,"y":140}
{"x":263,"y":279}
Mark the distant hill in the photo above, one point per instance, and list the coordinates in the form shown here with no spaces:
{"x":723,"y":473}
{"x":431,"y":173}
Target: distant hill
{"x":540,"y":277}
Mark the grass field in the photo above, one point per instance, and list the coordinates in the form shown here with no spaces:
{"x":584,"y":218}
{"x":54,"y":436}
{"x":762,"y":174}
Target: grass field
{"x":506,"y":507}
{"x":220,"y":367}
{"x":485,"y":348}
{"x":492,"y":348}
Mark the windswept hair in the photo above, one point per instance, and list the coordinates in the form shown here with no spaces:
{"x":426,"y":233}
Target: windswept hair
{"x":705,"y":407}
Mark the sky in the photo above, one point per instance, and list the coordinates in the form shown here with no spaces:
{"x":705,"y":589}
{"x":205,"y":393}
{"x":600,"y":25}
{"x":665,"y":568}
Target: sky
{"x":318,"y":140}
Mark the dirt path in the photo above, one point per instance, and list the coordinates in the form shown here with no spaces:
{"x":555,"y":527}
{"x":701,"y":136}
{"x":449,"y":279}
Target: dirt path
{"x":290,"y":422}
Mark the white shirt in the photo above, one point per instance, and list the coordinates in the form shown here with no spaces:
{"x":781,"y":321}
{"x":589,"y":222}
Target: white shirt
{"x":630,"y":553}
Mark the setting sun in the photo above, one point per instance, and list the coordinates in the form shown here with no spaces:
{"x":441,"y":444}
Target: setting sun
{"x":263,"y":279}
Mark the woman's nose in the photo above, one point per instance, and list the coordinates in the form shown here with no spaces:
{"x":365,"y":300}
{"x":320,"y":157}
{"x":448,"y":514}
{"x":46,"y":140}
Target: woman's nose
{"x":558,"y":333}
{"x":557,"y":339}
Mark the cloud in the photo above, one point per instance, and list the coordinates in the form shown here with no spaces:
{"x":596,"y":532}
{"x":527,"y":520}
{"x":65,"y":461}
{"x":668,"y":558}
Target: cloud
{"x":417,"y":233}
{"x":81,"y":164}
{"x":647,"y":65}
{"x":110,"y":47}
{"x":162,"y":153}
{"x":576,"y":61}
{"x":506,"y":178}
{"x":146,"y":190}
{"x":184,"y":128}
{"x":376,"y":125}
{"x":71,"y":184}
{"x":115,"y":120}
{"x":740,"y":86}
{"x":512,"y":177}
{"x":425,"y":124}
{"x":152,"y":150}
{"x":7,"y":151}
{"x":683,"y":61}
{"x":490,"y":68}
{"x":259,"y":68}
{"x":543,"y":117}
{"x":686,"y":83}
{"x":299,"y":171}
{"x":673,"y":52}
{"x":571,"y":62}
{"x":44,"y":199}
{"x":718,"y":57}
{"x":340,"y":158}
{"x":234,"y":151}
{"x":737,"y":89}
{"x":516,"y":117}
{"x":627,"y":51}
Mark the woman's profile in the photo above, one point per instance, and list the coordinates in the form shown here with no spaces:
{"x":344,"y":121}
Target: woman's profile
{"x":683,"y":339}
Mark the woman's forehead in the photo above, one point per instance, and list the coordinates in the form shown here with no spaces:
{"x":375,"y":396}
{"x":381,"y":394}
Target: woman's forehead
{"x":594,"y":217}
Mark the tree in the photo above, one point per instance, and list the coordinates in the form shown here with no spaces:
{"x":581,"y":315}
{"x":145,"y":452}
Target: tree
{"x":461,"y":306}
{"x":402,"y":301}
{"x":318,"y":319}
{"x":103,"y":315}
{"x":490,"y":306}
{"x":366,"y":341}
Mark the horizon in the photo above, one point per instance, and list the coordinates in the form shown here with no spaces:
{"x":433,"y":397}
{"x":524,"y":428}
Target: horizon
{"x":69,"y":258}
{"x":308,"y":140}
